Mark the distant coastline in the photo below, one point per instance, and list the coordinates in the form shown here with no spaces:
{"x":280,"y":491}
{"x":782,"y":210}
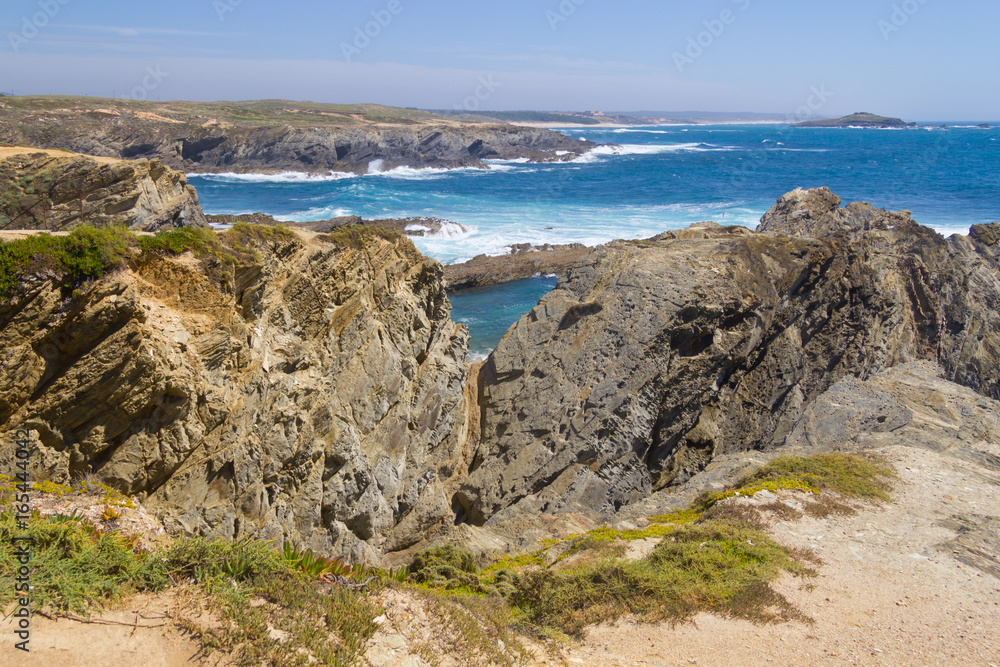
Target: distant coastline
{"x":581,"y":126}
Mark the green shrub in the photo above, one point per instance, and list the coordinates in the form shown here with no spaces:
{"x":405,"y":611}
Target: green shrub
{"x":75,"y":565}
{"x":448,"y":567}
{"x":203,"y":559}
{"x":89,"y":252}
{"x":86,"y":252}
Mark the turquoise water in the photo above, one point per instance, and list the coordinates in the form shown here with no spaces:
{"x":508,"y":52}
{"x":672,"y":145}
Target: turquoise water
{"x":489,"y":311}
{"x":656,"y":178}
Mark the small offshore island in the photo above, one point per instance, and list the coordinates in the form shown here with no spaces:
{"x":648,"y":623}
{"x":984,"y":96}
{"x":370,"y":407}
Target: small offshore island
{"x":860,"y":119}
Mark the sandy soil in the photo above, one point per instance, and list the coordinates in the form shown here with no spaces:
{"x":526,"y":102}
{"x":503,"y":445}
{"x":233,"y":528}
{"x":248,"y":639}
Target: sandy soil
{"x":139,"y":632}
{"x":11,"y":151}
{"x":891,"y":589}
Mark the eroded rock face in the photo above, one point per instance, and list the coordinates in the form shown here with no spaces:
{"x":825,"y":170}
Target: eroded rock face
{"x":653,"y":357}
{"x":321,"y":402}
{"x":57,"y":191}
{"x":271,"y":149}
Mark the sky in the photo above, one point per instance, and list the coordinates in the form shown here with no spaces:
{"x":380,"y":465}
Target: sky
{"x":920,"y":60}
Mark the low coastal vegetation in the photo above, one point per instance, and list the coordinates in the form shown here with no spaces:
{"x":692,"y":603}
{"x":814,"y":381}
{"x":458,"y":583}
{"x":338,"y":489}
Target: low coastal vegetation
{"x":87,"y":252}
{"x":255,"y":112}
{"x":285,"y":605}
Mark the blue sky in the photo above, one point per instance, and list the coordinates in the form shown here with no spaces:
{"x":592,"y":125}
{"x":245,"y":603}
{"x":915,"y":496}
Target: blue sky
{"x":921,"y":60}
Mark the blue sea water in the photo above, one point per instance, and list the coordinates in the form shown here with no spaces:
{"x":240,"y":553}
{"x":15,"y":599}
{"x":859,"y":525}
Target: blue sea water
{"x":489,"y":311}
{"x":655,"y":178}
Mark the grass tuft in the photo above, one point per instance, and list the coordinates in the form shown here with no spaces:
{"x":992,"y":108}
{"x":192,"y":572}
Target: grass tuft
{"x":854,"y":476}
{"x":713,"y":556}
{"x":715,"y":566}
{"x":77,"y":566}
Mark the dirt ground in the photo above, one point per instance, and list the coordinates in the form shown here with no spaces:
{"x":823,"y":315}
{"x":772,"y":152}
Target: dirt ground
{"x":891,"y":591}
{"x":140,"y":631}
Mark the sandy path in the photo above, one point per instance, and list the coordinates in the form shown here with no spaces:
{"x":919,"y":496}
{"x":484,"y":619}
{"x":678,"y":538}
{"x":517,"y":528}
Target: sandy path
{"x":11,"y":151}
{"x":891,"y":590}
{"x":138,"y":632}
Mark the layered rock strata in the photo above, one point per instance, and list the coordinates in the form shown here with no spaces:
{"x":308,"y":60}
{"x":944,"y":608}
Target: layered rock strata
{"x":319,"y":393}
{"x":56,"y":190}
{"x":318,"y":399}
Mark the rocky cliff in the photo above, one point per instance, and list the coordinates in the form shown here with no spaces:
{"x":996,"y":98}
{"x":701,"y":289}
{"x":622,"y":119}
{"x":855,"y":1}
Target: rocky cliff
{"x":249,"y":138}
{"x":312,"y":387}
{"x":653,"y":357}
{"x":315,"y":395}
{"x":57,"y":190}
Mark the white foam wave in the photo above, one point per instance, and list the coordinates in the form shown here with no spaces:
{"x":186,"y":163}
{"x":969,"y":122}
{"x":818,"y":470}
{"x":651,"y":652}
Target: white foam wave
{"x":648,"y":149}
{"x":419,"y":173}
{"x":452,"y":231}
{"x":283,"y":177}
{"x":625,"y":130}
{"x":314,"y":214}
{"x":448,"y":231}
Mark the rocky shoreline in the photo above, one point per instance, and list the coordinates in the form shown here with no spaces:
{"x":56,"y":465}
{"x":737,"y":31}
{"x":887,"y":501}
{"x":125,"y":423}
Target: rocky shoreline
{"x":524,"y":261}
{"x":416,"y":227}
{"x":199,"y":139}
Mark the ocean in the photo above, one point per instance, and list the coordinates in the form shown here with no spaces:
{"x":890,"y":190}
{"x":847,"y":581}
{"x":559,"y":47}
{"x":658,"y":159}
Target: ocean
{"x":655,"y":178}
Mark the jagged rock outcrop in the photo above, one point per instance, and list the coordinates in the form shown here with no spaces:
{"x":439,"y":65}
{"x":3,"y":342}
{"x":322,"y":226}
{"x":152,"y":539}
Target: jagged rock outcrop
{"x":318,"y":398}
{"x":320,"y":394}
{"x":56,"y":190}
{"x":652,"y":357}
{"x":409,"y":226}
